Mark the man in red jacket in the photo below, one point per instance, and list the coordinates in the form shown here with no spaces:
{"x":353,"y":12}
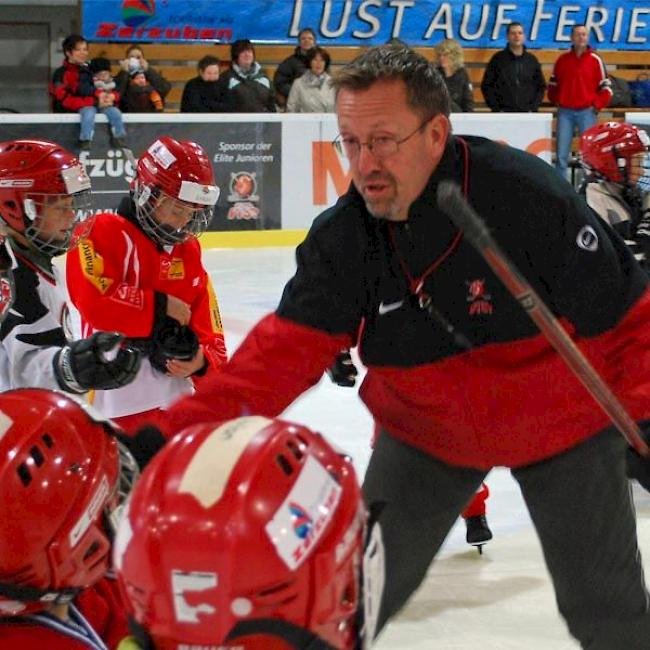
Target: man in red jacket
{"x":580,"y":87}
{"x":139,"y":272}
{"x":63,"y":479}
{"x":459,"y":378}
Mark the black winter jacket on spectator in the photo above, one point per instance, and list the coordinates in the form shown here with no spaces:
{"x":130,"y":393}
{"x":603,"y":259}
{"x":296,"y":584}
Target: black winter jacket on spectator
{"x":201,"y":96}
{"x":248,"y":92}
{"x":288,"y":71}
{"x":513,"y":84}
{"x":460,"y":91}
{"x":157,"y":81}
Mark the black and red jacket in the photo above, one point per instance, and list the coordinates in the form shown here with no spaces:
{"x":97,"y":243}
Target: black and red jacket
{"x":509,"y":399}
{"x":72,"y":88}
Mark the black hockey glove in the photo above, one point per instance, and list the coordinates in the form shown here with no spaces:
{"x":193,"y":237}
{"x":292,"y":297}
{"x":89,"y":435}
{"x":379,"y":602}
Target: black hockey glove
{"x":82,"y":365}
{"x":343,"y":372}
{"x":144,"y":445}
{"x":171,"y":340}
{"x":638,"y":467}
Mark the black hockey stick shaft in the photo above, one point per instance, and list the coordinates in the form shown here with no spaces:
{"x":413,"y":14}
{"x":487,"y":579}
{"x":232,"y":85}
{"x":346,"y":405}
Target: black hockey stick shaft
{"x":453,"y":204}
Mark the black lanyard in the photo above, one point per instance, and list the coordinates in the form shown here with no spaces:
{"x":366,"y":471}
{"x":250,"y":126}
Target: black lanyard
{"x":416,"y":283}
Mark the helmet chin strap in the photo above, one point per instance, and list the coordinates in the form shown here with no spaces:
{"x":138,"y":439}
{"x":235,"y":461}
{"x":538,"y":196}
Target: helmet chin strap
{"x":296,"y":636}
{"x":27,"y":594}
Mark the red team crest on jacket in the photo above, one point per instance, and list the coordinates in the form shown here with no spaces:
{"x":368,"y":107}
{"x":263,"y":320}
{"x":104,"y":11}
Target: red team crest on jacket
{"x":480,"y":302}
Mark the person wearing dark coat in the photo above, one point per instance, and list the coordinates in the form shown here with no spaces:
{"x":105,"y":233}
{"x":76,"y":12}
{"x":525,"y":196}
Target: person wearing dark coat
{"x":513,"y":81}
{"x":247,"y":89}
{"x":293,"y":66}
{"x":135,"y":60}
{"x":204,"y":94}
{"x":450,"y":65}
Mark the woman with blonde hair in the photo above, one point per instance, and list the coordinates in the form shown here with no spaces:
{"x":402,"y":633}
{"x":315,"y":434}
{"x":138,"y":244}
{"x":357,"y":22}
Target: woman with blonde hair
{"x":449,"y":55}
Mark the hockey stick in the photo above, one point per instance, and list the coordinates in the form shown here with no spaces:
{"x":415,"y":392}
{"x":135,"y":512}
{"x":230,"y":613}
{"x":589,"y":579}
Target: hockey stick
{"x":453,"y":204}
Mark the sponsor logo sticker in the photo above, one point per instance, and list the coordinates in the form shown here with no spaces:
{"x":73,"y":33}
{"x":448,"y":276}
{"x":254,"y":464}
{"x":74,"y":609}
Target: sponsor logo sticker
{"x":304,"y":515}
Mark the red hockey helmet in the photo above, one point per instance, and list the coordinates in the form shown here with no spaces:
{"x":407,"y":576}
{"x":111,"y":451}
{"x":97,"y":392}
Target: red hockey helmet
{"x":59,"y":471}
{"x":236,"y":527}
{"x":608,"y":149}
{"x":174,"y":191}
{"x":44,"y":194}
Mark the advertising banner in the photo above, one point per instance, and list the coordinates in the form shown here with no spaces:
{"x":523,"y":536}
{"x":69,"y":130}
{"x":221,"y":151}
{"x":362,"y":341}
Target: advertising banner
{"x":275,"y":171}
{"x":246,"y":157}
{"x":614,"y":24}
{"x":307,"y":190}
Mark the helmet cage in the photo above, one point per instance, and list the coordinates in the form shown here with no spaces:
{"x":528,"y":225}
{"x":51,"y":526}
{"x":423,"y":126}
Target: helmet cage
{"x":148,"y":200}
{"x":51,"y":245}
{"x":128,"y":474}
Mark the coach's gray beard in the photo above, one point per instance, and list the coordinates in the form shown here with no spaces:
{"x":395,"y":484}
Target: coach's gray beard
{"x":388,"y":213}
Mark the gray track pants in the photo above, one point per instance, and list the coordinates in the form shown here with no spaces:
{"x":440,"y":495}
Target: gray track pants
{"x":580,"y":502}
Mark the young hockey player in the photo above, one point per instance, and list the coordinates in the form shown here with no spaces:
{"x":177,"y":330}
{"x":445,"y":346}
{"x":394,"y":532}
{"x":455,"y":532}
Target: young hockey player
{"x":44,"y":196}
{"x":139,"y":272}
{"x":63,"y":478}
{"x":247,"y":535}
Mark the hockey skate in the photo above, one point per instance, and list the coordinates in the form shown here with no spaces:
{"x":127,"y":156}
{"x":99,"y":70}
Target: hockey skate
{"x":478,"y":532}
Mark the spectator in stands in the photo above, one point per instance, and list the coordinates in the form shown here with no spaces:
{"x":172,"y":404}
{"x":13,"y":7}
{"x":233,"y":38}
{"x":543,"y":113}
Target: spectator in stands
{"x":74,"y":91}
{"x":247,"y":88}
{"x":102,"y":77}
{"x":513,"y":81}
{"x":450,"y":65}
{"x":133,"y":61}
{"x":204,"y":94}
{"x":313,"y":93}
{"x":293,"y":66}
{"x":580,"y":88}
{"x":140,"y":97}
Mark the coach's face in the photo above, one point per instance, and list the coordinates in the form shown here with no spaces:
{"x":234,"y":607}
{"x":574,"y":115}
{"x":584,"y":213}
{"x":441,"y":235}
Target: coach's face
{"x":392,"y":149}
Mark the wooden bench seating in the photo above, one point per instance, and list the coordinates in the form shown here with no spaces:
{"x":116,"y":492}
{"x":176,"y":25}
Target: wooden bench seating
{"x":178,"y":63}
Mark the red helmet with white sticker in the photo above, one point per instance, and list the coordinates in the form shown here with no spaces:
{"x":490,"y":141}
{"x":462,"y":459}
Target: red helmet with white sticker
{"x":59,"y":484}
{"x":612,"y":149}
{"x":243,"y":532}
{"x":174,"y":191}
{"x":44,"y":194}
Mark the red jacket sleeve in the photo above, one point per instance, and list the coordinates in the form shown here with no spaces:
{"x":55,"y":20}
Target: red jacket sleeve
{"x":623,"y":354}
{"x":276,"y":362}
{"x":65,"y":92}
{"x":604,"y":92}
{"x":101,"y":277}
{"x":206,"y":323}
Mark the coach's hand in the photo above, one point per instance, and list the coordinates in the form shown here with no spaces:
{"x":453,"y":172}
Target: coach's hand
{"x":343,"y":372}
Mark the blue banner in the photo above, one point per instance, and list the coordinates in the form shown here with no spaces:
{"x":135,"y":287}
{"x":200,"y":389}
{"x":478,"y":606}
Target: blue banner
{"x":613,"y":24}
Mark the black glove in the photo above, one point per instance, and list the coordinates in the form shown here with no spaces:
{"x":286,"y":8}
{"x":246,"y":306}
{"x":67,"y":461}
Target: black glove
{"x":171,"y":340}
{"x":638,"y":467}
{"x":144,"y":445}
{"x":343,"y":372}
{"x":82,"y":365}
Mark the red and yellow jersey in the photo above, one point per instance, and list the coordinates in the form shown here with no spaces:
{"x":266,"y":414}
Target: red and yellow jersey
{"x":113,"y":276}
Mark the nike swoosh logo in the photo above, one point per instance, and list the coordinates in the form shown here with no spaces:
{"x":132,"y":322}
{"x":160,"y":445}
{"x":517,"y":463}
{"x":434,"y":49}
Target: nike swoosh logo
{"x":391,"y":306}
